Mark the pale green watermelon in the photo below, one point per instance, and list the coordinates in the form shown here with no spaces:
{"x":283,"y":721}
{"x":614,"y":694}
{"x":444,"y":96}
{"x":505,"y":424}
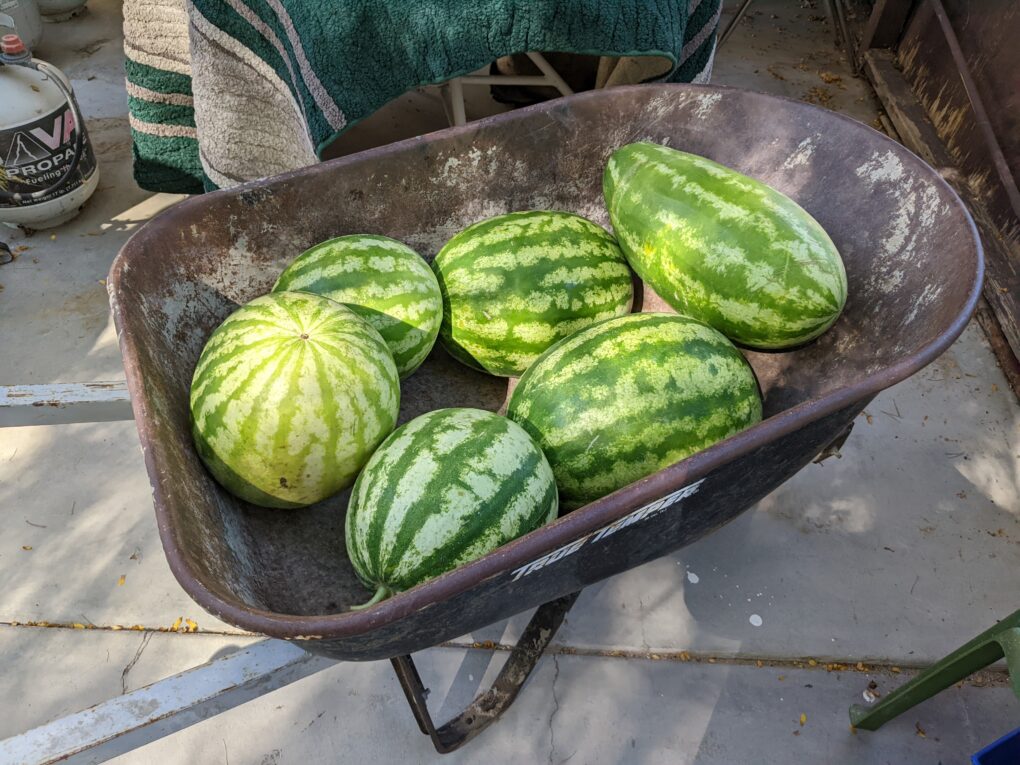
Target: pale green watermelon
{"x":442,"y":490}
{"x":515,"y":284}
{"x":381,"y":280}
{"x":291,"y":395}
{"x":723,"y":247}
{"x":630,"y":396}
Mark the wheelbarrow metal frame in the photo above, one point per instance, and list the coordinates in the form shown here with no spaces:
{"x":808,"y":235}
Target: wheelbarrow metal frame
{"x":736,"y":471}
{"x":652,"y":517}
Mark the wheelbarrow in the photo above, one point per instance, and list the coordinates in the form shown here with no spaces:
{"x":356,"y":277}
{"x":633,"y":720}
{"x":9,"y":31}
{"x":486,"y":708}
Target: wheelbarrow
{"x":914,"y":266}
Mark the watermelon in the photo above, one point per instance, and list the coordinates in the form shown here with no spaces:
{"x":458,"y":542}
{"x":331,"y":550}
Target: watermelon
{"x":442,"y":490}
{"x":291,"y":395}
{"x":723,"y":247}
{"x":383,"y":281}
{"x":630,"y":396}
{"x":515,"y":284}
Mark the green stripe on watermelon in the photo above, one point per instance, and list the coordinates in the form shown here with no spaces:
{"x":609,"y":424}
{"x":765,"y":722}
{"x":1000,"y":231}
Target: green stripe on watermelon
{"x":723,"y":247}
{"x":630,"y":396}
{"x":291,"y":395}
{"x":442,"y":490}
{"x":515,"y":284}
{"x":382,"y":280}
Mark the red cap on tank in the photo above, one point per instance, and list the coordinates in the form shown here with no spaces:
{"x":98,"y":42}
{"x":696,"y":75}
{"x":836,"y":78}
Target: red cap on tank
{"x":11,"y":45}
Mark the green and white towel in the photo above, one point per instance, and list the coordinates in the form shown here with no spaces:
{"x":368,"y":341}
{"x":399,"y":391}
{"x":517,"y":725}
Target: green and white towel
{"x":224,"y":91}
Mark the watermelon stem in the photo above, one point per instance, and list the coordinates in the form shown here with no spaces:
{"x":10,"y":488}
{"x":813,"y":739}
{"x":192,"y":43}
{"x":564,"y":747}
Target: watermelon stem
{"x":380,"y":594}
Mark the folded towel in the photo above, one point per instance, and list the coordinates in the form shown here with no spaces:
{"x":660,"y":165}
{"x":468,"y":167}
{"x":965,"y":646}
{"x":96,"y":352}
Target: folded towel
{"x":224,"y":91}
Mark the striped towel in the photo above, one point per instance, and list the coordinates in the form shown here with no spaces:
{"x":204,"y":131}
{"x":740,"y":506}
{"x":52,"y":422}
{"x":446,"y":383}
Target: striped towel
{"x":225,"y":91}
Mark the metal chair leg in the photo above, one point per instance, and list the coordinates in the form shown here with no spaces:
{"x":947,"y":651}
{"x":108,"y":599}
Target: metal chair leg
{"x":457,"y":101}
{"x":991,"y":645}
{"x":490,"y":705}
{"x":550,"y":74}
{"x":455,"y":87}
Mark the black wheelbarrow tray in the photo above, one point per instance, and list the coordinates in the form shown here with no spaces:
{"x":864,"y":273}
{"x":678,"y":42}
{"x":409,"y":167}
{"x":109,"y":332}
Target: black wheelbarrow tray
{"x":914,"y":267}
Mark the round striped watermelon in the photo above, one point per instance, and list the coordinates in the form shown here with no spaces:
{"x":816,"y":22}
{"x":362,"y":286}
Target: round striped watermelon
{"x":442,"y":490}
{"x":381,"y":280}
{"x":291,"y":395}
{"x":723,"y":247}
{"x":515,"y":284}
{"x":630,"y":396}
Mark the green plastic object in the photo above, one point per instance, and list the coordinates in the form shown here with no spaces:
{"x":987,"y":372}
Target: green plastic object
{"x":1002,"y":640}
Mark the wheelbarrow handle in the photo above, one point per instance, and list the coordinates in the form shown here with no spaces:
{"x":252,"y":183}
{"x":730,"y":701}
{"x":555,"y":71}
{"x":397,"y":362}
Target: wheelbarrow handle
{"x":492,"y":703}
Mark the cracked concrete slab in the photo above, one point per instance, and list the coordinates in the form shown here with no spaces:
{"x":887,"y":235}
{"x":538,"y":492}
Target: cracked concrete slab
{"x":595,"y":710}
{"x":79,"y":517}
{"x":54,"y":672}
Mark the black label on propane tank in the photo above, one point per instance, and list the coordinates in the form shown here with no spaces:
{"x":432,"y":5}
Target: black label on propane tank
{"x":35,"y":154}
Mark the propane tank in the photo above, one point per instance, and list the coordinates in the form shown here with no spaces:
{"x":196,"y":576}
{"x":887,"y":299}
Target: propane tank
{"x":21,"y":17}
{"x":47,"y":167}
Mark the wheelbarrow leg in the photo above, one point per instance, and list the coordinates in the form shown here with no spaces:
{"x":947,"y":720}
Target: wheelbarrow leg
{"x":991,"y":645}
{"x":832,"y":449}
{"x":490,"y":705}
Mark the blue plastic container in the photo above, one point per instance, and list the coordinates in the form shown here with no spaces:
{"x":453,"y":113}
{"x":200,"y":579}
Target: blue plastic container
{"x":1005,"y":751}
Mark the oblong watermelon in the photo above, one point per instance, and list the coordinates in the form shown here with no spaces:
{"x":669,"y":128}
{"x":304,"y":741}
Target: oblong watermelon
{"x":383,"y":281}
{"x":290,"y":397}
{"x":515,"y":284}
{"x":723,"y":247}
{"x":630,"y":396}
{"x":442,"y":490}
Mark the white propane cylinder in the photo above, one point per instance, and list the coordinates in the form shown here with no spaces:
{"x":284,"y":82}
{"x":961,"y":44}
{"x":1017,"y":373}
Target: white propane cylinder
{"x":21,"y":17}
{"x":37,"y":142}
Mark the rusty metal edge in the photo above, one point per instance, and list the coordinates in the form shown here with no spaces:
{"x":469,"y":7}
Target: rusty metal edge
{"x":566,"y":529}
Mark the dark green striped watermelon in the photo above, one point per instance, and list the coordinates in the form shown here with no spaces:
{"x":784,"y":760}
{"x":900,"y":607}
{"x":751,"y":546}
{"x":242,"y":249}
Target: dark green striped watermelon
{"x":723,"y":247}
{"x":515,"y":284}
{"x":630,"y":396}
{"x":383,"y":281}
{"x":292,"y":393}
{"x":442,"y":490}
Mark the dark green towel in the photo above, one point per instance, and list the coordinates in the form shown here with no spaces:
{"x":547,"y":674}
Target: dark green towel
{"x":273,"y":82}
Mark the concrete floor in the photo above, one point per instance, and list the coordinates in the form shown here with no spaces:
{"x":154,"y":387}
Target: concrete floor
{"x":892,"y":555}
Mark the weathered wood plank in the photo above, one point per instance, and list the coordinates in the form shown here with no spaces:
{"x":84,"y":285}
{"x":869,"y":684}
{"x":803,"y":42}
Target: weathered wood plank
{"x":911,"y":121}
{"x":63,"y":403}
{"x":885,"y":24}
{"x":959,"y":59}
{"x":1009,"y":363}
{"x":127,"y":722}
